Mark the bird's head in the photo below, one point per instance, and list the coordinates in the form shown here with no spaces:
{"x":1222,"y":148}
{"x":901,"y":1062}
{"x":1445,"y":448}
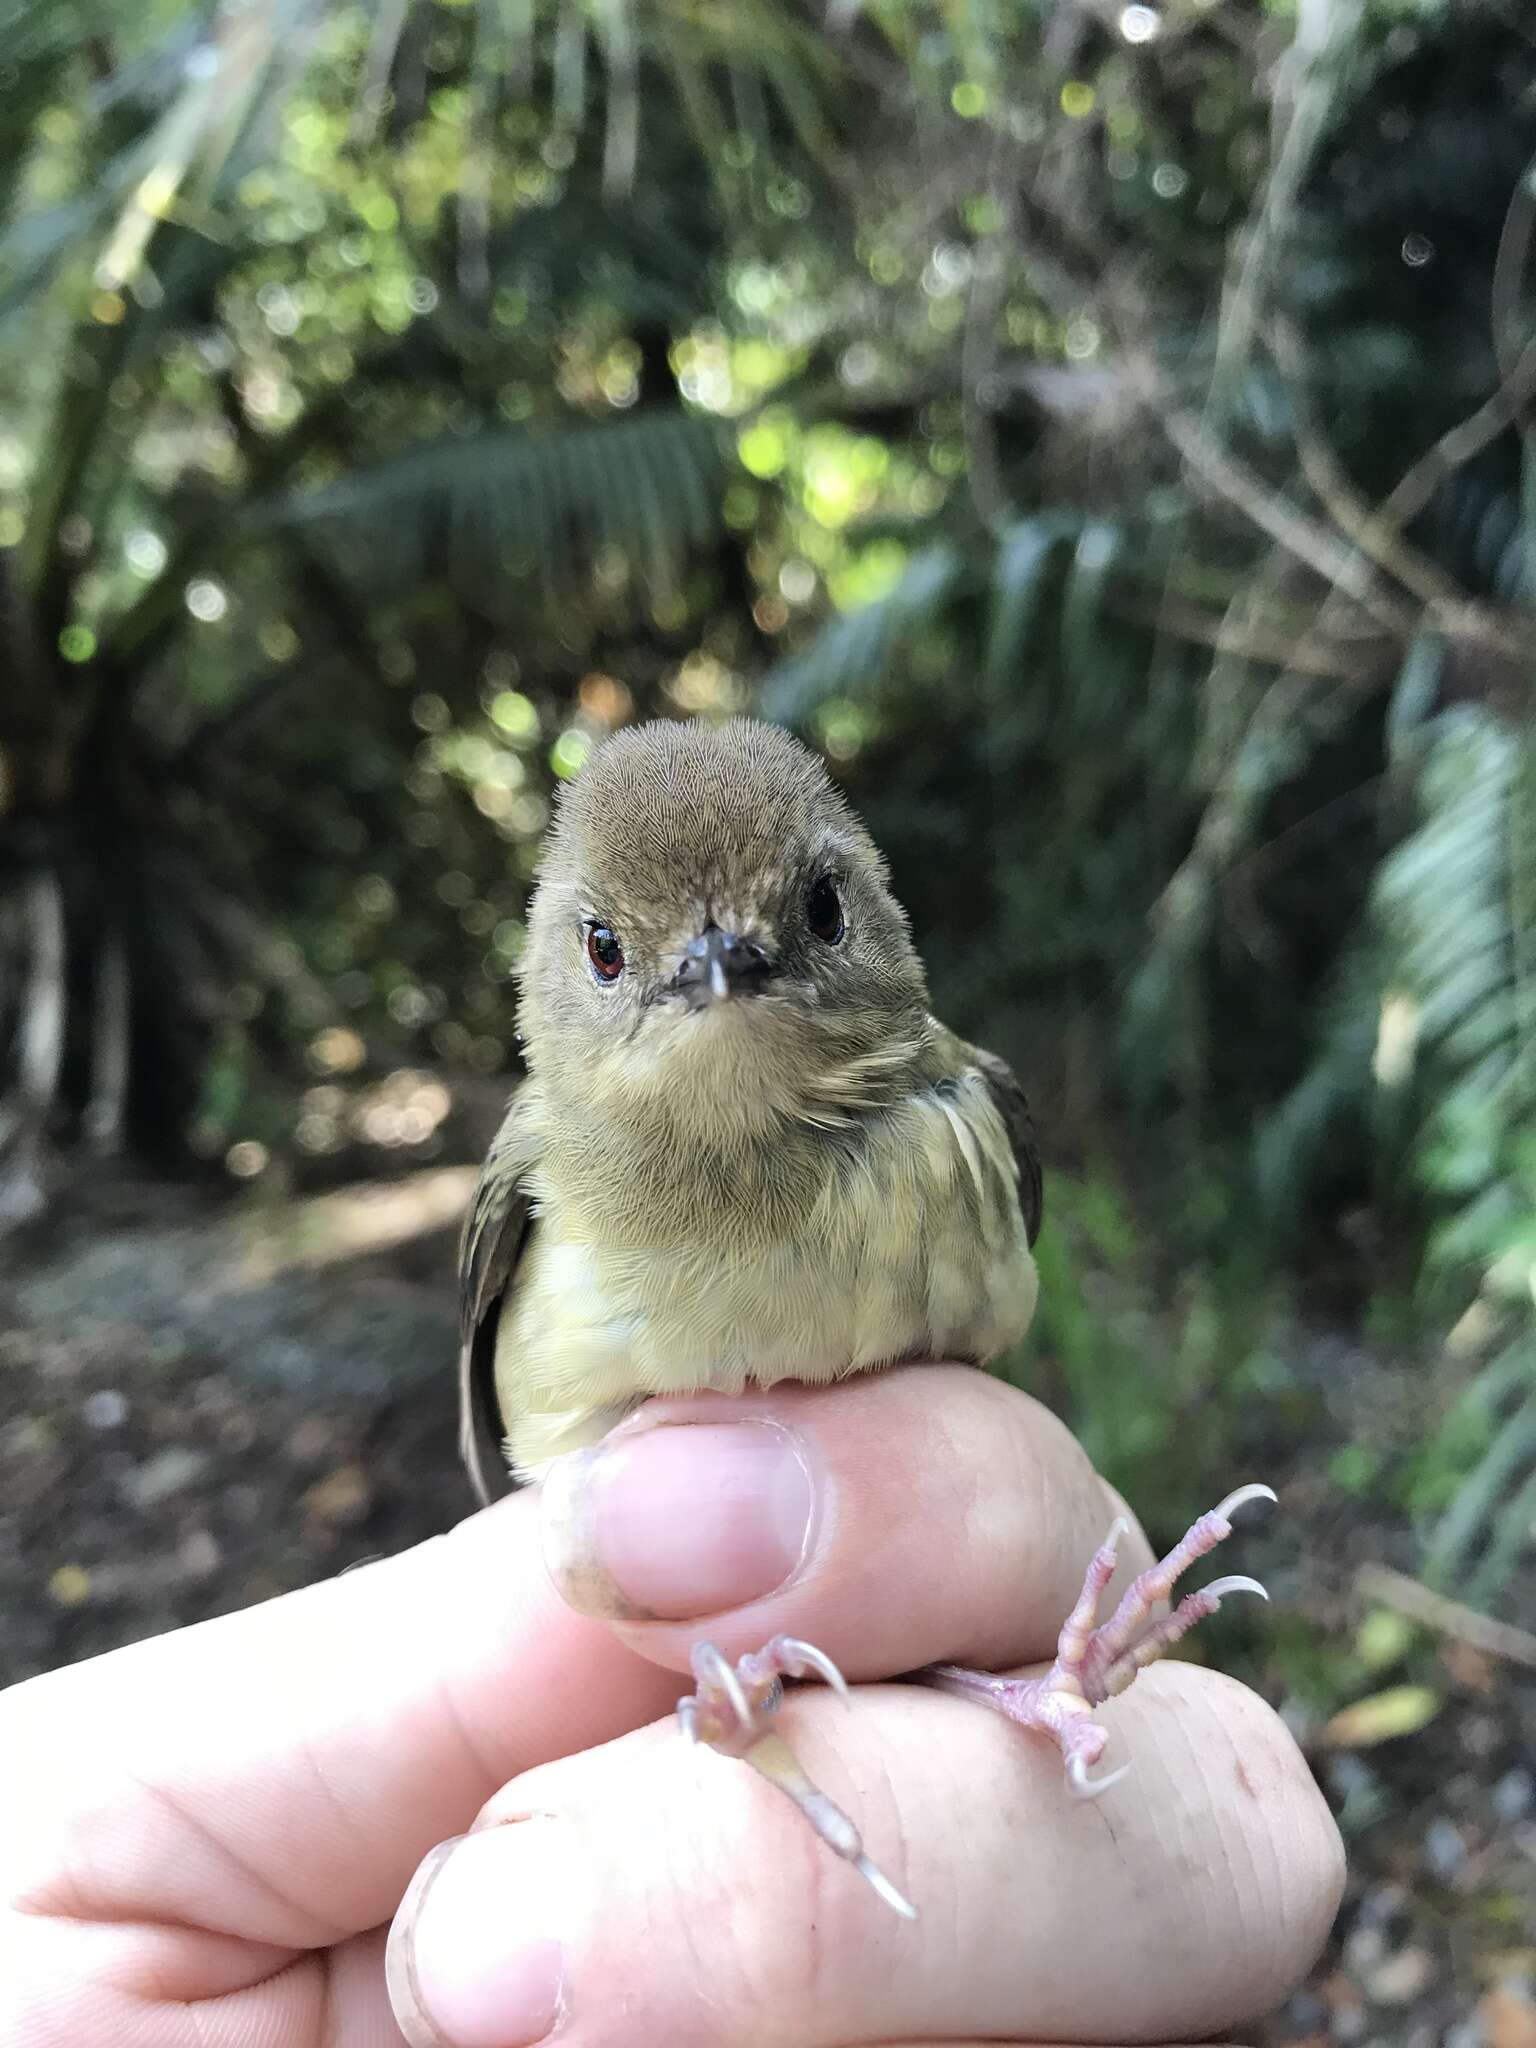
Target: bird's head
{"x":713,"y":937}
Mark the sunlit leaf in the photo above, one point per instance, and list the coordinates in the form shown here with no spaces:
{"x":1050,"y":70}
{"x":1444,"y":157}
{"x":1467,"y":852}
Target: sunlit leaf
{"x":1383,"y":1717}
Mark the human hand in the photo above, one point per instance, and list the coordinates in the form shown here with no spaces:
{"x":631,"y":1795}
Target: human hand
{"x":207,"y":1835}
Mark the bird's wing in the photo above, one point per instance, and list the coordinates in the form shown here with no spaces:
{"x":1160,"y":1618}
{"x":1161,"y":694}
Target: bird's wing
{"x":1002,"y":1084}
{"x":496,"y":1233}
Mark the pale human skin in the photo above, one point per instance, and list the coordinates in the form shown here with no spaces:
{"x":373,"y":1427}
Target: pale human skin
{"x":206,"y":1837}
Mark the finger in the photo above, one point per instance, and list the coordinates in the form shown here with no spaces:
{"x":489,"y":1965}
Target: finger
{"x":650,"y":1893}
{"x":931,"y":1514}
{"x":278,"y":1774}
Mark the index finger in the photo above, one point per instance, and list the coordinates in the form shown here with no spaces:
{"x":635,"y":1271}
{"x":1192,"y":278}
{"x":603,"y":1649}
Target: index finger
{"x":679,"y":1901}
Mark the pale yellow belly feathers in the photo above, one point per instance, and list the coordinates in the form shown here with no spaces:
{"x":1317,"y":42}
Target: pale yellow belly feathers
{"x":910,"y":1245}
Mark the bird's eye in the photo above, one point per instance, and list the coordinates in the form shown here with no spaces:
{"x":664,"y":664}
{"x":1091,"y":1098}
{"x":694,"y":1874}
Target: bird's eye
{"x":605,"y":952}
{"x":824,"y":910}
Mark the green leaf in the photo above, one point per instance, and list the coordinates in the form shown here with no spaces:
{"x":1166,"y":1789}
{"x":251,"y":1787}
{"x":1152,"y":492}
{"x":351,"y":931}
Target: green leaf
{"x":1476,"y":1505}
{"x":473,"y":509}
{"x":1021,"y":575}
{"x":1414,"y":696}
{"x":851,"y":657}
{"x":1383,"y":1717}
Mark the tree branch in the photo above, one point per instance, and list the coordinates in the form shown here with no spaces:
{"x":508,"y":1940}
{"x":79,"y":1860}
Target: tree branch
{"x":1457,"y":446}
{"x":1447,"y":1617}
{"x":1371,"y":533}
{"x":1228,"y":477}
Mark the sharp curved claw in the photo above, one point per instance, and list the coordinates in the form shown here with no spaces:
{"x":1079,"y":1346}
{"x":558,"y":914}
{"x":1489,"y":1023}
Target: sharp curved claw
{"x":688,"y":1718}
{"x":711,"y":1667}
{"x":1240,"y":1498}
{"x":1218,"y":1589}
{"x":882,"y":1887}
{"x":797,"y":1658}
{"x":1118,"y":1527}
{"x":1084,"y":1787}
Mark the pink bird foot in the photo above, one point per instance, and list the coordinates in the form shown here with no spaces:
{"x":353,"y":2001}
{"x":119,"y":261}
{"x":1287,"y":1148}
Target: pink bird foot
{"x":1093,"y":1664}
{"x":733,"y":1711}
{"x":733,"y":1708}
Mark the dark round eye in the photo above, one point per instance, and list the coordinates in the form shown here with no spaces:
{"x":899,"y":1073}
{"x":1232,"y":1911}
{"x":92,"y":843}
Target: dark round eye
{"x":824,"y":910}
{"x":605,"y":952}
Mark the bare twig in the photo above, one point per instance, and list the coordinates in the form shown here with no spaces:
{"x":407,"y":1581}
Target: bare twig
{"x":388,"y":26}
{"x":1457,"y":446}
{"x":1271,"y":645}
{"x":1510,"y":265}
{"x":1300,"y":105}
{"x":1335,"y":490}
{"x":1447,"y":1617}
{"x":1378,"y":532}
{"x":621,"y":137}
{"x":1229,"y":477}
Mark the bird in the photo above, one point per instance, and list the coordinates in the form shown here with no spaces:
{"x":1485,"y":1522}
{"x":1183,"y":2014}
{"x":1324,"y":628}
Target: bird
{"x":746,"y":1152}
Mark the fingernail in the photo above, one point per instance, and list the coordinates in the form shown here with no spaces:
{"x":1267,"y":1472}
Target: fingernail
{"x":473,"y":1959}
{"x":680,"y":1520}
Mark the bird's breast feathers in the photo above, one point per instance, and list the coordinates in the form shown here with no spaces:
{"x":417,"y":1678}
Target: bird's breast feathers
{"x":906,"y":1240}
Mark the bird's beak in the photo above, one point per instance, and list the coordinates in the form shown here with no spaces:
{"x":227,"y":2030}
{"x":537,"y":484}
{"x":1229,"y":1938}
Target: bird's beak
{"x":720,"y":964}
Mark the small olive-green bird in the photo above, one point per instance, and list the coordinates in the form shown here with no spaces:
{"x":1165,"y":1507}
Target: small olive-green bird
{"x":745,"y":1151}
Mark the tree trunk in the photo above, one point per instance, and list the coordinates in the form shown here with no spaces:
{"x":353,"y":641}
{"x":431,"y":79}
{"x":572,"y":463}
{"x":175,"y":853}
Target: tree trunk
{"x":38,"y":952}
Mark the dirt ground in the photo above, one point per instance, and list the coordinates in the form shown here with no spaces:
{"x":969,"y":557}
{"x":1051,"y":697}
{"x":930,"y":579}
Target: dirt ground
{"x":197,"y":1413}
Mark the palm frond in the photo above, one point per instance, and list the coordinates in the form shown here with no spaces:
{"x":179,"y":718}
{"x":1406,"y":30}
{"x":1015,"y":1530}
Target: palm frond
{"x":1027,"y":553}
{"x":34,"y":248}
{"x":852,"y":656}
{"x":654,"y":265}
{"x":489,"y":509}
{"x":1444,"y":899}
{"x":1454,"y":906}
{"x":1478,"y":1539}
{"x":164,"y":124}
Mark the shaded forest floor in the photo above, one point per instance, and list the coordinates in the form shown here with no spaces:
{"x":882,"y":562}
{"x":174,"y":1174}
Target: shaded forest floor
{"x":198,"y":1412}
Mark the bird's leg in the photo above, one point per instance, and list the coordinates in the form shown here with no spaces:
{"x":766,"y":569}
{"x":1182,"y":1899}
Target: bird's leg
{"x":734,"y":1705}
{"x":1093,"y":1664}
{"x":733,"y":1712}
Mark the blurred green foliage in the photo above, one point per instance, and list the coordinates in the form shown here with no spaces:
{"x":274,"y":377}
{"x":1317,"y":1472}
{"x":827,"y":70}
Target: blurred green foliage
{"x":1104,"y":431}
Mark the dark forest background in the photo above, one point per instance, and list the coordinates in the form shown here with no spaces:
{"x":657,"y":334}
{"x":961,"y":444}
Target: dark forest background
{"x":1106,"y":432}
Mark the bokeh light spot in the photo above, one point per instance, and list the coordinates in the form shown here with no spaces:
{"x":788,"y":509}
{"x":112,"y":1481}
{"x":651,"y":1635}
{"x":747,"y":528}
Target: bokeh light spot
{"x":1139,"y":24}
{"x":569,"y":752}
{"x":206,"y":600}
{"x":515,"y":714}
